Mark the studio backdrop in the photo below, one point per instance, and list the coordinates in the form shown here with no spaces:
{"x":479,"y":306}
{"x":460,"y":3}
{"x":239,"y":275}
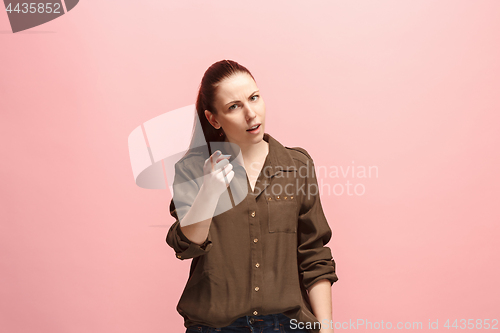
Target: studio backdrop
{"x":395,"y":100}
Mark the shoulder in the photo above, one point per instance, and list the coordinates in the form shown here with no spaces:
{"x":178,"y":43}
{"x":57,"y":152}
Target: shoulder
{"x":192,"y":162}
{"x":195,"y":154}
{"x":299,"y":154}
{"x":191,"y":156}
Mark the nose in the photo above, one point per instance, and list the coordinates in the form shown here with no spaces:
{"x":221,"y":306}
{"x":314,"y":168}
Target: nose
{"x":250,"y":113}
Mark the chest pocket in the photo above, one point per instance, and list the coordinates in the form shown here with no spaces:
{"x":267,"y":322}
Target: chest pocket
{"x":282,"y":214}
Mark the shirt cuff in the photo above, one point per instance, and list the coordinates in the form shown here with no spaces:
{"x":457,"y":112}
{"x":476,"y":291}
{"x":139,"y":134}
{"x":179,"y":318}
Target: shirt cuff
{"x":320,"y":272}
{"x":187,"y":249}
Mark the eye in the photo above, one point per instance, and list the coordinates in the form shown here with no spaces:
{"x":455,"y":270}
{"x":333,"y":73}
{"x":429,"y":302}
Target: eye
{"x":231,"y":107}
{"x":255,"y":96}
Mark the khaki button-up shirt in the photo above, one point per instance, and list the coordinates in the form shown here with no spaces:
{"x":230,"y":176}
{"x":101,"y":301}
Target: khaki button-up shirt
{"x":261,"y":255}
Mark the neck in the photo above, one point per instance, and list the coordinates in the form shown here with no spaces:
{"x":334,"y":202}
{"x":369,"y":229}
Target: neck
{"x":254,"y":151}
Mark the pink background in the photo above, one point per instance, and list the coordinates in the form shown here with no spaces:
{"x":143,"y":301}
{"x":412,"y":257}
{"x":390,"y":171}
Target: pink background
{"x":410,"y":87}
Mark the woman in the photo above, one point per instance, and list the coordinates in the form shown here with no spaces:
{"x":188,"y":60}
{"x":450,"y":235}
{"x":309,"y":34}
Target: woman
{"x":259,"y":261}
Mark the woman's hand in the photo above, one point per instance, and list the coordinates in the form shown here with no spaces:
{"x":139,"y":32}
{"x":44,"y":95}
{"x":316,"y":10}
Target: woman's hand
{"x":217,"y":173}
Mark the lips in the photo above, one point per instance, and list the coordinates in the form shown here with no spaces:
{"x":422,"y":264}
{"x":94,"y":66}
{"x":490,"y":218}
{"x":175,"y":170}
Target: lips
{"x":251,"y":128}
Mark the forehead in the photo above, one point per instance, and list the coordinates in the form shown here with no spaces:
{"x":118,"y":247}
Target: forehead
{"x":237,"y":86}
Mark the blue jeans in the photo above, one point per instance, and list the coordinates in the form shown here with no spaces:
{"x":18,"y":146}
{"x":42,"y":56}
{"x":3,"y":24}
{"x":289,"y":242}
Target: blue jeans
{"x":273,"y":323}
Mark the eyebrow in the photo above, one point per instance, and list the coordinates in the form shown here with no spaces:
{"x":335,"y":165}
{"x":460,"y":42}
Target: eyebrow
{"x":238,"y":101}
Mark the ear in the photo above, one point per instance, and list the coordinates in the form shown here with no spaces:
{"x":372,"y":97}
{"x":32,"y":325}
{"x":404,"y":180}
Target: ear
{"x":211,"y":119}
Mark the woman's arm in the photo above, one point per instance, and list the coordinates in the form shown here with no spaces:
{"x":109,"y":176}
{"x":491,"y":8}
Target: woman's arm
{"x":203,"y":209}
{"x":193,"y":208}
{"x":196,"y":195}
{"x":320,"y":296}
{"x":316,"y":264}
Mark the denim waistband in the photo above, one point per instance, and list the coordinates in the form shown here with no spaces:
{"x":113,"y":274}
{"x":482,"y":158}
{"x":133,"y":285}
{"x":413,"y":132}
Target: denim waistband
{"x":259,"y":321}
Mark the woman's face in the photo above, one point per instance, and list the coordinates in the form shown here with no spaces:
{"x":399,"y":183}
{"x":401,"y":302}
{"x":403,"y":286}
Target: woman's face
{"x":239,"y":107}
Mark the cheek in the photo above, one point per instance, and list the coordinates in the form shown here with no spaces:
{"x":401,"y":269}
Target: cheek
{"x":262,"y":110}
{"x":235,"y":124}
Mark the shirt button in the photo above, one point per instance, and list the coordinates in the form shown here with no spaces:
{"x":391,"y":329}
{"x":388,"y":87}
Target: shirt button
{"x":255,"y":313}
{"x":257,"y":265}
{"x":255,"y":240}
{"x":253,"y":214}
{"x":256,"y":288}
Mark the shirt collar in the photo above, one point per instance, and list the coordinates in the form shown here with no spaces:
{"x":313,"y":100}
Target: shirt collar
{"x":278,"y":157}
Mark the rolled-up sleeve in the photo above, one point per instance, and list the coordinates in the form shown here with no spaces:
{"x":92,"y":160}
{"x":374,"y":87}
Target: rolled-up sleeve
{"x":185,"y":190}
{"x":315,"y":260}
